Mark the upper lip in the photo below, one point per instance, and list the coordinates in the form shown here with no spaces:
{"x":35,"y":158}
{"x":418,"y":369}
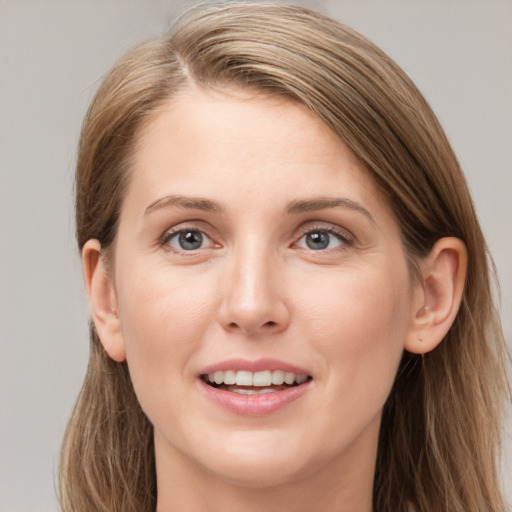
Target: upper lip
{"x":257,"y":365}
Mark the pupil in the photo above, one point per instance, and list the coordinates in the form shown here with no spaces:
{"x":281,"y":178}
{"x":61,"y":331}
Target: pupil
{"x":317,"y":240}
{"x":190,"y":240}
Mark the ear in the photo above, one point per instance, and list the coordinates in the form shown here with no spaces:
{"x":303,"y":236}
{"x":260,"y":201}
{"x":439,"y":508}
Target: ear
{"x":437,"y":295}
{"x":102,"y":299}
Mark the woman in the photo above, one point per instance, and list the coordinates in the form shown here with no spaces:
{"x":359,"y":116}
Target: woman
{"x":289,"y":287}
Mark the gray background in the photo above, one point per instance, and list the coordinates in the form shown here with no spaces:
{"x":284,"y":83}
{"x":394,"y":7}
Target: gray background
{"x":52,"y":54}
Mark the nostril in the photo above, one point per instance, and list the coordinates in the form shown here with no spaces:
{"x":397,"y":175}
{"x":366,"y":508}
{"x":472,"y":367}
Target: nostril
{"x":270,"y":323}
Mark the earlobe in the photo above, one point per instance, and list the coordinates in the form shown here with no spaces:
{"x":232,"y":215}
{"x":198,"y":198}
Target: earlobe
{"x":102,"y":300}
{"x":438,"y":295}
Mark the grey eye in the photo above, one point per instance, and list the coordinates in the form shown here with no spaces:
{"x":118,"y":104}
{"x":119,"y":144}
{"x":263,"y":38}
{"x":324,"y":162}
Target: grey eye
{"x":188,"y":240}
{"x":320,"y":240}
{"x":317,"y":240}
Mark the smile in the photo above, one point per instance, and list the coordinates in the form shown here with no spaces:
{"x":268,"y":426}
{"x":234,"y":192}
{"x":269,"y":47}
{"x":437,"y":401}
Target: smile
{"x":253,"y":383}
{"x":253,"y":393}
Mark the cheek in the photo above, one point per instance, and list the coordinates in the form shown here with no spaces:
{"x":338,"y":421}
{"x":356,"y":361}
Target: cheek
{"x":163,"y":321}
{"x":360,"y":330}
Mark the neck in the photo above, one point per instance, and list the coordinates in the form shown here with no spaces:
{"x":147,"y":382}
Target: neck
{"x":345,"y":485}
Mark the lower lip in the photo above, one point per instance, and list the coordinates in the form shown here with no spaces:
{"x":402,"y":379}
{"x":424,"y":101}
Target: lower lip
{"x":253,"y":405}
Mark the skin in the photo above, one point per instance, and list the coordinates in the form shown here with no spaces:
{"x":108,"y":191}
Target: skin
{"x":255,"y":289}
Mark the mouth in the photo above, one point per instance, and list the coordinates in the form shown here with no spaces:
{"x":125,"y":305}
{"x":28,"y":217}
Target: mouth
{"x":246,"y":382}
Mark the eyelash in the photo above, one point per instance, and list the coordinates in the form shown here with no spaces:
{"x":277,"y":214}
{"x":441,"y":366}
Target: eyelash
{"x":345,"y":239}
{"x":172,"y":233}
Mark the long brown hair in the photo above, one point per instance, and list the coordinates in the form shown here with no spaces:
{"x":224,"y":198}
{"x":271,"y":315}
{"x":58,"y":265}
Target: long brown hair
{"x":440,"y":435}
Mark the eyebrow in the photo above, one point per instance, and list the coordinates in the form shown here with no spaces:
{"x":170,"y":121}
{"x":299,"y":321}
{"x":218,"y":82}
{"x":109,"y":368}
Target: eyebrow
{"x":193,"y":203}
{"x":323,"y":203}
{"x":294,"y":207}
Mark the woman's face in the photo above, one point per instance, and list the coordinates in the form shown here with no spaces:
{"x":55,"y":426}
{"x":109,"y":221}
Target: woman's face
{"x":253,"y":247}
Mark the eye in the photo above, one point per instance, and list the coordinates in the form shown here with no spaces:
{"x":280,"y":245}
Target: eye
{"x":188,"y":240}
{"x":321,"y":239}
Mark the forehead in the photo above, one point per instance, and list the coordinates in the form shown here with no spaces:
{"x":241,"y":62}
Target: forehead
{"x":240,"y":144}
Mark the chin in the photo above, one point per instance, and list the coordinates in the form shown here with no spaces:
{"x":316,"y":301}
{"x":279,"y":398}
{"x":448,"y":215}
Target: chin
{"x":261,"y":462}
{"x":262,"y":473}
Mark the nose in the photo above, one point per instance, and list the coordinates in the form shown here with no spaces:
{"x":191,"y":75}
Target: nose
{"x":253,"y":300}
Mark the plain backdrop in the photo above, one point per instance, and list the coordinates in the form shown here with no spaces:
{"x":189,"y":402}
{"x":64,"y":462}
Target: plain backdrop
{"x":52,"y":55}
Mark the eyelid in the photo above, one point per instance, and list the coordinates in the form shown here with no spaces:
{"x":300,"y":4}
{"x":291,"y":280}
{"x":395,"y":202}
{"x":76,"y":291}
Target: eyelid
{"x":329,"y":227}
{"x":173,"y":236}
{"x":346,"y":238}
{"x":169,"y":233}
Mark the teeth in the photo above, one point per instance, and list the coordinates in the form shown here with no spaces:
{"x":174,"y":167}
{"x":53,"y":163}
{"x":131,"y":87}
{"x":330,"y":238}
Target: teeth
{"x":289,"y":378}
{"x":262,"y":391}
{"x":261,"y":379}
{"x":243,"y":378}
{"x":229,"y":377}
{"x":277,"y":377}
{"x":301,"y":378}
